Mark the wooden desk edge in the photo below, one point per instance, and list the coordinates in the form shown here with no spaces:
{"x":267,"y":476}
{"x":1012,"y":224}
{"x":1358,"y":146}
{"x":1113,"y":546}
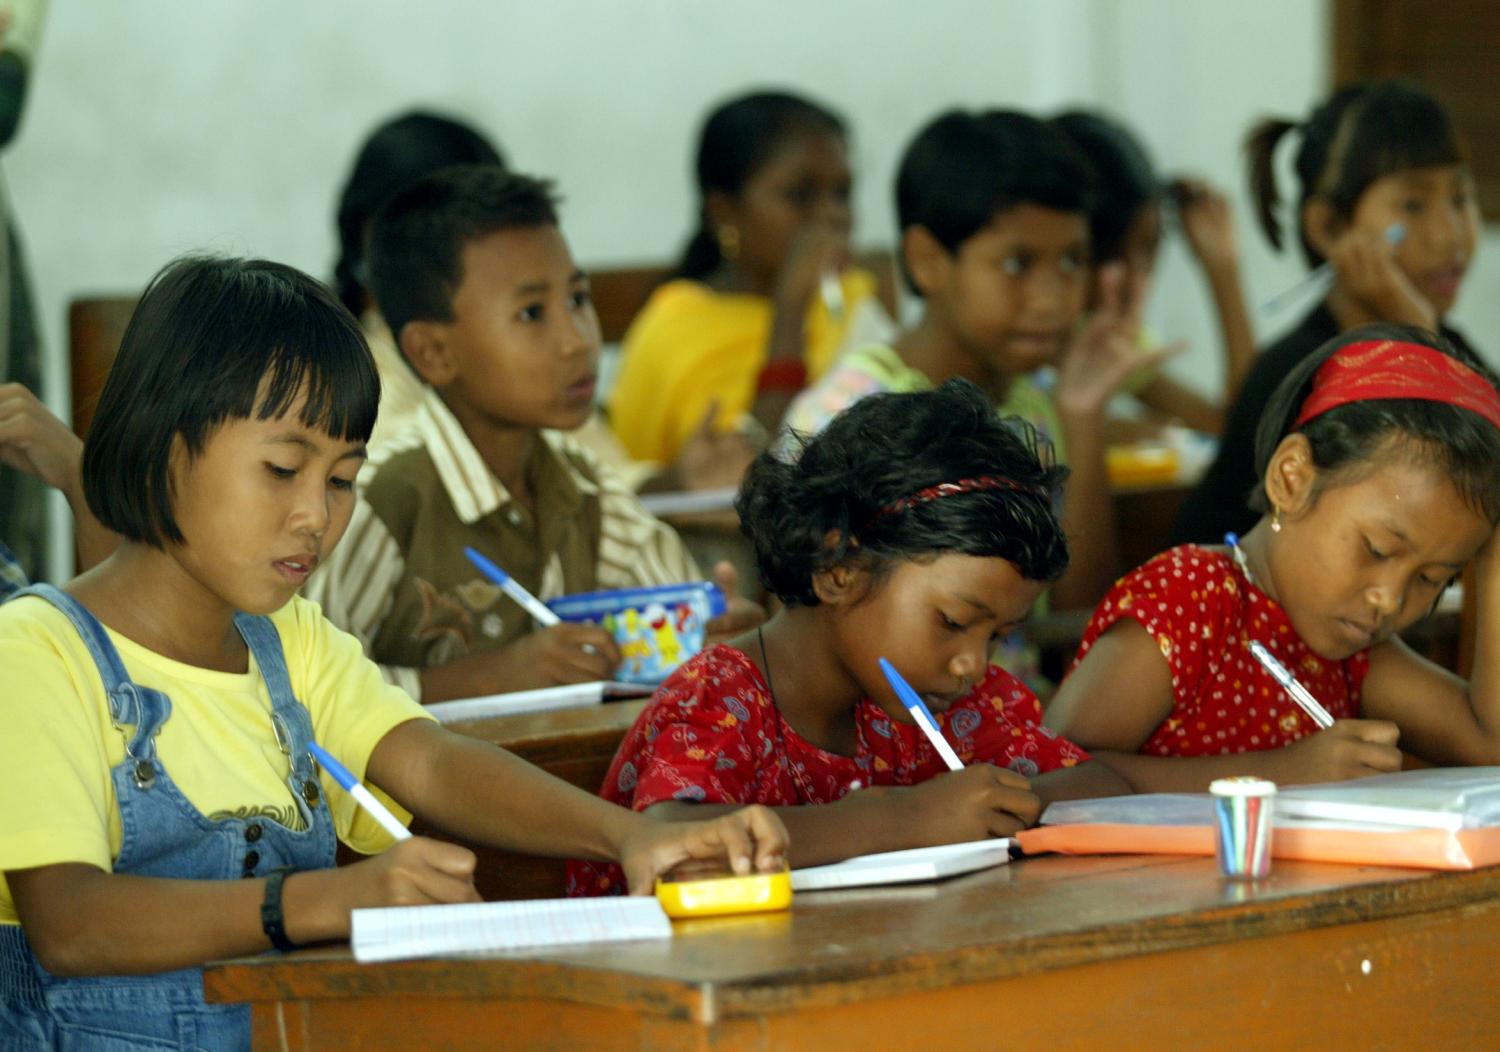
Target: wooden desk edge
{"x":709,"y":1001}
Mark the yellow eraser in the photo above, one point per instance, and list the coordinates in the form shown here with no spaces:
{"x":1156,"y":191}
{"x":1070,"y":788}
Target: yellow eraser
{"x":712,"y":896}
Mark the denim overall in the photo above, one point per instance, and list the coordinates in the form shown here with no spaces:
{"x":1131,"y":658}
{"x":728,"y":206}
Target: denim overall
{"x":164,"y":836}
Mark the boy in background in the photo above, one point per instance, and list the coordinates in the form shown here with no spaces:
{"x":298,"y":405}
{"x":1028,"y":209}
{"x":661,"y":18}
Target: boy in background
{"x":477,"y":283}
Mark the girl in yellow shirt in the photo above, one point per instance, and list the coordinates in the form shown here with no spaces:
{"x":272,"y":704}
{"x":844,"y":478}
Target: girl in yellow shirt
{"x":764,"y":297}
{"x":161,"y":807}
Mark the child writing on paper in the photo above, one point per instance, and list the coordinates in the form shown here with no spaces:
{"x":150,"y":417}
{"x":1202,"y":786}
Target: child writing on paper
{"x":1370,"y":157}
{"x":747,"y":320}
{"x":1380,"y":461}
{"x":475,"y":278}
{"x":916,"y":527}
{"x":161,"y":806}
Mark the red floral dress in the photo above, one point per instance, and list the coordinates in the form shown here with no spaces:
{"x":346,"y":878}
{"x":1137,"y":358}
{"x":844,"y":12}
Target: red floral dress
{"x":713,"y":735}
{"x":1203,"y":612}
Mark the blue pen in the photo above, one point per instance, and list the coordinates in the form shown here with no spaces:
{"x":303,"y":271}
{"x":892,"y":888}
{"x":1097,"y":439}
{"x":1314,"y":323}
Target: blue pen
{"x":366,"y":799}
{"x":528,"y":602}
{"x":1322,"y":276}
{"x":920,"y":715}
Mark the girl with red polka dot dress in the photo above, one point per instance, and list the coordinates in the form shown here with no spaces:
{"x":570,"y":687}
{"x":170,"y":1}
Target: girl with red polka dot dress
{"x":916,"y":527}
{"x":1379,"y":460}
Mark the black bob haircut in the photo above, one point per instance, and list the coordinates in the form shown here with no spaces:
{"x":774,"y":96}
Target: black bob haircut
{"x":214,"y":340}
{"x":417,"y":240}
{"x":1125,"y":179}
{"x":964,"y":169}
{"x":887,"y":447}
{"x":1455,"y":441}
{"x":397,"y":154}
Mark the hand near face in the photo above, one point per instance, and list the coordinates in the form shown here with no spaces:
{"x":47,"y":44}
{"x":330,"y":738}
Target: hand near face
{"x":820,"y":248}
{"x":1366,"y":266}
{"x":1207,"y":223}
{"x":1106,"y":350}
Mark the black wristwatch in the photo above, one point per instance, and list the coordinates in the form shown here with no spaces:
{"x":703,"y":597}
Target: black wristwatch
{"x":271,"y":920}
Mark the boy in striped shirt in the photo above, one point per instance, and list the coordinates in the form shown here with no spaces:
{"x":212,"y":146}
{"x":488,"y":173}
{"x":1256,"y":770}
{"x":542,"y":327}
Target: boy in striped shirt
{"x":474,"y":277}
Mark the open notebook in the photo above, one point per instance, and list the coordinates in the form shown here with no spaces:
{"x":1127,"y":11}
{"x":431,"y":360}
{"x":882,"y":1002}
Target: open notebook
{"x":570,"y":696}
{"x":472,"y":928}
{"x":904,"y":867}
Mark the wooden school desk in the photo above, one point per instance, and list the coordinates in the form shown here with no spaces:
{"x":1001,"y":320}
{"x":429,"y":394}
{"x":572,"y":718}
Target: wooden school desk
{"x":1142,"y":952}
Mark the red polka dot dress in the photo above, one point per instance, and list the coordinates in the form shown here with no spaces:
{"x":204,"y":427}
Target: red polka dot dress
{"x":713,"y":734}
{"x":1203,"y":612}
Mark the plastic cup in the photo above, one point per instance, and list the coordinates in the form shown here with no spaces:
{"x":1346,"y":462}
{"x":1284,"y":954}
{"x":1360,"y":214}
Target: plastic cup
{"x":1242,"y":826}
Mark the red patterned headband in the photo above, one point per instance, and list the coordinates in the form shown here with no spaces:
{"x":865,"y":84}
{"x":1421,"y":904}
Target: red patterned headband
{"x":949,"y":489}
{"x":1374,"y":369}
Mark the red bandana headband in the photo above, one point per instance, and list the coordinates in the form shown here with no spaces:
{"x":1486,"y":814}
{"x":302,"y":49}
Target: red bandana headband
{"x":1374,"y":369}
{"x":949,"y":489}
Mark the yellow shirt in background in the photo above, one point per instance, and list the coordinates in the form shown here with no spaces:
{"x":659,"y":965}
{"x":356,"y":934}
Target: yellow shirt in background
{"x":58,"y":744}
{"x":692,"y":346}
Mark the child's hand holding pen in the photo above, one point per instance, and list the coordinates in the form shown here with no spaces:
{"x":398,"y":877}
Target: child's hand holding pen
{"x":1348,"y":749}
{"x":980,"y":801}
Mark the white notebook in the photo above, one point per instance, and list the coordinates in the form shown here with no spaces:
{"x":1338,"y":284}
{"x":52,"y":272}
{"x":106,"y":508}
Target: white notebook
{"x":1450,"y":798}
{"x":904,"y":867}
{"x":474,"y":928}
{"x":569,"y":696}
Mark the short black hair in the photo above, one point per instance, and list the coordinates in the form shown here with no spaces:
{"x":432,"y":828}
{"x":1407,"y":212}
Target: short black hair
{"x":1360,"y":134}
{"x":418,"y":237}
{"x":1125,"y":180}
{"x":397,"y":154}
{"x":212,"y":340}
{"x":1457,"y":441}
{"x":963,"y":169}
{"x":887,"y":447}
{"x":737,"y":140}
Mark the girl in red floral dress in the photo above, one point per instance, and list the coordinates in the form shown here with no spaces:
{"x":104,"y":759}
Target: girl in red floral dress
{"x":1380,"y":465}
{"x":916,"y":527}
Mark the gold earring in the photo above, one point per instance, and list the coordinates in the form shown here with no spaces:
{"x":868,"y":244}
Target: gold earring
{"x":1275,"y":520}
{"x":729,"y":242}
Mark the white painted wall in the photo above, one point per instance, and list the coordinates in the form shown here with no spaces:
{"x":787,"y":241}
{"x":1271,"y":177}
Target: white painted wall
{"x":160,"y":126}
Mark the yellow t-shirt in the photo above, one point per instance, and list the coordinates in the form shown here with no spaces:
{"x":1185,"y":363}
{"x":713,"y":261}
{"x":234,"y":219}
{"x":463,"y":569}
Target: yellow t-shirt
{"x":58,"y":744}
{"x":691,"y":346}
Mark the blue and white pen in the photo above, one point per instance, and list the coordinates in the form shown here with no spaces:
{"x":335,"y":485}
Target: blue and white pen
{"x":528,"y":602}
{"x":1300,"y":694}
{"x":920,"y":716}
{"x":362,"y":796}
{"x":1321,"y":277}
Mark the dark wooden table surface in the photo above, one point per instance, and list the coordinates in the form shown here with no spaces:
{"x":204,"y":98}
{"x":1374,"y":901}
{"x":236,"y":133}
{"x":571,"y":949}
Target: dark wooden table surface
{"x":1112,"y":952}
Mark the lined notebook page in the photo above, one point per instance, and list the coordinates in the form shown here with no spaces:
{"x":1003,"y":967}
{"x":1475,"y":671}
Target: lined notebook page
{"x":478,"y":927}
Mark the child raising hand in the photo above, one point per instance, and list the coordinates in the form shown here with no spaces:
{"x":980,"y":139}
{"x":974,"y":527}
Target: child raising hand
{"x":162,"y":806}
{"x":916,"y":527}
{"x":1380,"y":461}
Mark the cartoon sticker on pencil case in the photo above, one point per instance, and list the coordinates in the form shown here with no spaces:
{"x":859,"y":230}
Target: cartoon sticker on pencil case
{"x":657,"y":629}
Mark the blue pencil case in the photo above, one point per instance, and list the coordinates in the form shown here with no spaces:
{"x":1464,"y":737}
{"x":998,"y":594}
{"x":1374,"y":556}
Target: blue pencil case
{"x":657,"y":628}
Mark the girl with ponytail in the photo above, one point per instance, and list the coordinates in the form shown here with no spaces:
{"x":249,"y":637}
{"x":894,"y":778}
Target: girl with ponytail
{"x":1383,"y":192}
